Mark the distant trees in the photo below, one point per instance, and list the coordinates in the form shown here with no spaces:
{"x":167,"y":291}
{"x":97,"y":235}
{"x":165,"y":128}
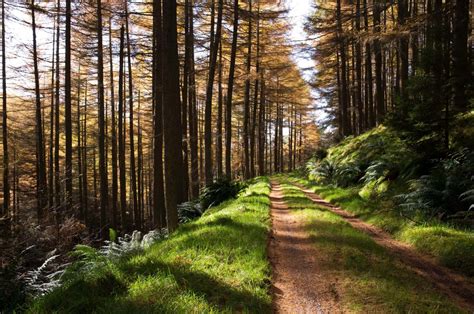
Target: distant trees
{"x":403,"y":63}
{"x":168,"y":115}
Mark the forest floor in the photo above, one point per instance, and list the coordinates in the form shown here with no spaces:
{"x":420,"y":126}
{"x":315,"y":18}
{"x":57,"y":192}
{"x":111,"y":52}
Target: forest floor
{"x":326,"y":260}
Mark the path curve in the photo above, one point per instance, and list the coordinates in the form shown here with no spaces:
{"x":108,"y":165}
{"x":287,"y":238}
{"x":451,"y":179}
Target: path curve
{"x":299,"y":286}
{"x":455,"y":286}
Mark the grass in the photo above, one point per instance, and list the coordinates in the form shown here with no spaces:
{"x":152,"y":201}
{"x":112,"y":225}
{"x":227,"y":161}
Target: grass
{"x":450,"y":246}
{"x":215,"y":264}
{"x":367,"y":278}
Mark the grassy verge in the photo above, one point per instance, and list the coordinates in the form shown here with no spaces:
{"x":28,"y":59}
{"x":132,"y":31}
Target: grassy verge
{"x":452,"y":247}
{"x":215,"y":264}
{"x":366,"y":278}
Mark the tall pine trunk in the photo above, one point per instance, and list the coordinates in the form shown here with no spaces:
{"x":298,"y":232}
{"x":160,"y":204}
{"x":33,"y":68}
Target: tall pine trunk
{"x":68,"y":106}
{"x":230,"y":89}
{"x":215,"y":40}
{"x":171,"y":114}
{"x":40,"y":158}
{"x":133,"y":173}
{"x":114,"y":133}
{"x":121,"y":138}
{"x":246,"y":135}
{"x":102,"y":162}
{"x":159,"y":213}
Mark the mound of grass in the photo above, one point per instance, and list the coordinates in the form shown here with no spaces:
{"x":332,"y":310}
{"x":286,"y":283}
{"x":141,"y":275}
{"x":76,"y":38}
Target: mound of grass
{"x":215,"y":264}
{"x":367,"y":279}
{"x":452,"y":247}
{"x":375,"y":158}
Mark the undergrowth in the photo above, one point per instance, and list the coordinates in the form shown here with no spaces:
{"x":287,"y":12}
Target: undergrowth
{"x":214,"y":264}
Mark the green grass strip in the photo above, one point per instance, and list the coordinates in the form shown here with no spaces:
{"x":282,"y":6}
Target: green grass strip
{"x":452,"y":247}
{"x":215,"y":264}
{"x":368,"y":278}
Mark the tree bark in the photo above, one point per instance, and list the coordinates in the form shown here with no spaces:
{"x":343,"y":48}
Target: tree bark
{"x":114,"y":133}
{"x":133,"y":173}
{"x":68,"y":106}
{"x":121,"y":138}
{"x":171,"y":114}
{"x":40,"y":160}
{"x":102,"y":162}
{"x":248,"y":64}
{"x":215,"y":40}
{"x":159,"y":213}
{"x":230,"y":89}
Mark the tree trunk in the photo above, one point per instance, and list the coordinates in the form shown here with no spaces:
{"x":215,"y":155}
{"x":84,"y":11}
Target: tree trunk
{"x":159,"y":213}
{"x":261,"y":128}
{"x":121,"y":138}
{"x":171,"y":114}
{"x":192,"y":108}
{"x":461,"y":64}
{"x":133,"y":173}
{"x":246,"y":135}
{"x":379,"y":90}
{"x":358,"y":60}
{"x":230,"y":89}
{"x":40,"y":160}
{"x":255,"y":104}
{"x":344,"y":95}
{"x":215,"y":40}
{"x":102,"y":162}
{"x":114,"y":133}
{"x":68,"y":106}
{"x":57,"y":170}
{"x":219,"y":119}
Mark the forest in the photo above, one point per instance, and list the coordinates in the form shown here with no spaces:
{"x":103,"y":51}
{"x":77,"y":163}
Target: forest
{"x":257,"y":156}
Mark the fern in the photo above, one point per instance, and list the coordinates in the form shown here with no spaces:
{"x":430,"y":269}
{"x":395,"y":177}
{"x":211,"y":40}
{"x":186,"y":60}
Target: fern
{"x":45,"y":278}
{"x":131,"y":244}
{"x":218,"y":192}
{"x":447,"y":191}
{"x":189,"y":211}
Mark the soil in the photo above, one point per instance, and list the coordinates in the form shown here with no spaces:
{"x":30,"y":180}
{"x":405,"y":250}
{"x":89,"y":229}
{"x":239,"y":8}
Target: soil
{"x":455,"y":286}
{"x":300,"y":284}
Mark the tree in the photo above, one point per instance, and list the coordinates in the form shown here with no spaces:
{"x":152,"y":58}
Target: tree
{"x":68,"y":106}
{"x":171,"y":113}
{"x":214,"y":49}
{"x":248,"y":64}
{"x":133,"y":173}
{"x":230,"y":89}
{"x":114,"y":134}
{"x":104,"y":194}
{"x":121,"y":139}
{"x":40,"y":158}
{"x":159,"y":214}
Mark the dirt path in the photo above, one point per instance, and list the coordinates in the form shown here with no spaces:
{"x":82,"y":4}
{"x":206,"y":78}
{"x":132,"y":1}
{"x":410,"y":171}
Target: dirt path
{"x":455,"y":286}
{"x":299,"y":285}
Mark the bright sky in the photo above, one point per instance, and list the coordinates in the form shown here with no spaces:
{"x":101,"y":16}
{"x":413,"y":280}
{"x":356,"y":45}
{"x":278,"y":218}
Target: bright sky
{"x":299,"y":11}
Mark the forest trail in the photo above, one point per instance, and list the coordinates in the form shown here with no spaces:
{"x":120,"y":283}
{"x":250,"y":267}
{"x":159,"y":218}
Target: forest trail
{"x":300,"y":285}
{"x":455,"y":286}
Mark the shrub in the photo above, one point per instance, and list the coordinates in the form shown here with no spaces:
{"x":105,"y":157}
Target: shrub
{"x":446,"y":190}
{"x":218,"y":192}
{"x":189,"y":211}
